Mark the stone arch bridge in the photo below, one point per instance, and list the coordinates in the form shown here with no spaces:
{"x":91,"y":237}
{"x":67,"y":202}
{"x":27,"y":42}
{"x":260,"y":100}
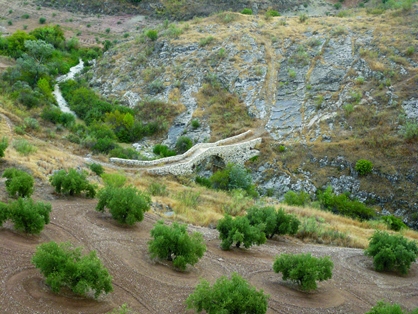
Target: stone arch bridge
{"x":236,"y":149}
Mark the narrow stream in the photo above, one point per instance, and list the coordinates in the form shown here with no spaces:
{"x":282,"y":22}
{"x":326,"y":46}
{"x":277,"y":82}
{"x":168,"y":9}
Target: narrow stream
{"x":57,"y":92}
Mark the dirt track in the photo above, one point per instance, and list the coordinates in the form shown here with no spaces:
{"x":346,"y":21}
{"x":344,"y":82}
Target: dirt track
{"x":150,"y":287}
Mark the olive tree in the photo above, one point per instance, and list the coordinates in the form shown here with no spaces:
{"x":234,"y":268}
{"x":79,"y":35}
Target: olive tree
{"x":391,"y":252}
{"x":304,"y":269}
{"x":233,"y":295}
{"x":240,"y":231}
{"x":72,"y":182}
{"x":126,"y":204}
{"x":275,"y":221}
{"x":173,"y":243}
{"x":65,"y":266}
{"x":18,"y":182}
{"x":29,"y":216}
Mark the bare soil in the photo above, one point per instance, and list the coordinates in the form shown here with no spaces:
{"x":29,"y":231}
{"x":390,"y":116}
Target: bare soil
{"x":149,"y":286}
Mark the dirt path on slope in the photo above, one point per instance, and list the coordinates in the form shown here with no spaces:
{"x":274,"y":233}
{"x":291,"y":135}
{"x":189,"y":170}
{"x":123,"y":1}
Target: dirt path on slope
{"x":153,"y":287}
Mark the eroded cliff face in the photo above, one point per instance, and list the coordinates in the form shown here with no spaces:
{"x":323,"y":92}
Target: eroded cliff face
{"x":325,"y":93}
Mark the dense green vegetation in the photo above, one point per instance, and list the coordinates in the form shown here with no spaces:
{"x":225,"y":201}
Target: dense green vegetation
{"x":391,"y":252}
{"x":383,"y":307}
{"x":304,"y":269}
{"x":273,"y":221}
{"x":240,"y":231}
{"x":233,"y":295}
{"x":3,"y":145}
{"x":126,"y":204}
{"x":72,"y":183}
{"x":28,"y":216}
{"x":65,"y":266}
{"x":173,"y":243}
{"x":18,"y":182}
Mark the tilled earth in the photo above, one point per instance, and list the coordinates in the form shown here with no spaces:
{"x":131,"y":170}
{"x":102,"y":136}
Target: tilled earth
{"x":149,"y":286}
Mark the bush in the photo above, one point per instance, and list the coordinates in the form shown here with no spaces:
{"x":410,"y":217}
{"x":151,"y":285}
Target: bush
{"x":364,"y":167}
{"x":341,"y":204}
{"x":126,"y":204}
{"x":206,"y":41}
{"x":233,"y":177}
{"x":163,"y":151}
{"x":391,"y":252}
{"x":247,"y":11}
{"x":195,"y":123}
{"x":297,"y":199}
{"x":272,"y":13}
{"x":240,"y":231}
{"x":183,"y":144}
{"x":394,"y":223}
{"x":23,"y":147}
{"x":42,"y":20}
{"x":65,"y":266}
{"x":152,"y":34}
{"x":303,"y":18}
{"x":275,"y":222}
{"x":387,"y":308}
{"x":203,"y":182}
{"x":96,"y":168}
{"x":304,"y":269}
{"x":3,"y":145}
{"x":116,"y":180}
{"x":72,"y":183}
{"x":28,"y":216}
{"x":233,"y":295}
{"x":156,"y":188}
{"x":4,"y":213}
{"x":18,"y":182}
{"x":173,"y":243}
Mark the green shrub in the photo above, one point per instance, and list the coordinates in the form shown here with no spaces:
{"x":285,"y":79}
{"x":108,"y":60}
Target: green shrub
{"x":96,"y":168}
{"x":3,"y":145}
{"x":410,"y":130}
{"x":116,"y":180}
{"x":206,"y":41}
{"x":152,"y":34}
{"x":394,"y":223}
{"x":23,"y":147}
{"x":275,"y":222}
{"x":72,"y":182}
{"x":65,"y":266}
{"x":383,"y":307}
{"x":410,"y":51}
{"x":195,"y":123}
{"x":183,"y":144}
{"x":341,"y":204}
{"x":203,"y":182}
{"x":233,"y":295}
{"x":42,"y":20}
{"x":233,"y":177}
{"x":28,"y":216}
{"x":303,"y":18}
{"x":304,"y":269}
{"x":125,"y":153}
{"x":18,"y":182}
{"x":364,"y":167}
{"x":391,"y":252}
{"x":156,"y":188}
{"x":297,"y":199}
{"x":163,"y":150}
{"x":126,"y":204}
{"x":247,"y":11}
{"x":239,"y":230}
{"x":272,"y":13}
{"x":4,"y":213}
{"x":173,"y":243}
{"x":337,"y":6}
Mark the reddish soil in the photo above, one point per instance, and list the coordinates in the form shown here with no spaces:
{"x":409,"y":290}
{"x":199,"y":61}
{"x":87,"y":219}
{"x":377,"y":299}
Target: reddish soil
{"x":149,"y":286}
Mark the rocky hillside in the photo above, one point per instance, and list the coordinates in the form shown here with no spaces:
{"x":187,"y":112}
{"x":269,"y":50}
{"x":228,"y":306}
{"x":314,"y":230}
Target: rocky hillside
{"x":325,"y":92}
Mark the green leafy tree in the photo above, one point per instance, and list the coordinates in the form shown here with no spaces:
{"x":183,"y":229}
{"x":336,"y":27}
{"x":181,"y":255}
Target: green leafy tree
{"x":3,"y":145}
{"x":240,"y":231}
{"x":394,"y":223}
{"x":28,"y":216}
{"x":383,"y":307}
{"x":65,"y":266}
{"x":126,"y":204}
{"x":18,"y":182}
{"x":233,"y":177}
{"x":304,"y":269}
{"x":391,"y":252}
{"x":72,"y":182}
{"x":173,"y":243}
{"x":297,"y":199}
{"x":275,"y":222}
{"x":96,"y":168}
{"x":233,"y":295}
